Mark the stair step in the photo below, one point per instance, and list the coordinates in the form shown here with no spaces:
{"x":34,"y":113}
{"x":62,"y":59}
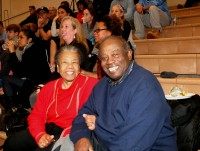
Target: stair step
{"x":187,"y":19}
{"x":183,"y":64}
{"x":185,"y":11}
{"x":191,"y":85}
{"x":176,"y":45}
{"x":187,"y":30}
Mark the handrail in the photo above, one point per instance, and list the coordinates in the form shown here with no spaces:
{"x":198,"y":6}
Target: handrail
{"x":15,"y":16}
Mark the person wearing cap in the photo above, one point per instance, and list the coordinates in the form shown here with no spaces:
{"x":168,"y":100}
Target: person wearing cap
{"x":44,"y":24}
{"x":44,"y":27}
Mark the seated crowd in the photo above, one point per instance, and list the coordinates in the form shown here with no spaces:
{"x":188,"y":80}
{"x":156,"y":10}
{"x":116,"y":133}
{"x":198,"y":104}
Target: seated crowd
{"x":75,"y":74}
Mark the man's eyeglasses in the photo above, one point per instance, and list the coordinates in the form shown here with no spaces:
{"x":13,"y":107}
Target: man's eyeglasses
{"x":98,"y":30}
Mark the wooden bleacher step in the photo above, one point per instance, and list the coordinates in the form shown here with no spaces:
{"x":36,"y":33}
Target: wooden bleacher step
{"x":185,"y":11}
{"x":191,"y":85}
{"x":187,"y":30}
{"x":176,"y":45}
{"x":187,"y":19}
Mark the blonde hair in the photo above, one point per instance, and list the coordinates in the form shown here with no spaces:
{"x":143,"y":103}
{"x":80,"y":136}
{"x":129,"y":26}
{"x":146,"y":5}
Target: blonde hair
{"x":79,"y":36}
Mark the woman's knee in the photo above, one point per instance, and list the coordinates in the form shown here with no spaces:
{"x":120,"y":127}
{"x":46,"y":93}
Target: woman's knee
{"x":153,"y":9}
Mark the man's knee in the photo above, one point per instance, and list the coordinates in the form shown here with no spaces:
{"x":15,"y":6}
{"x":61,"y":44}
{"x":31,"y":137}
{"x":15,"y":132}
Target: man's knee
{"x":153,"y":9}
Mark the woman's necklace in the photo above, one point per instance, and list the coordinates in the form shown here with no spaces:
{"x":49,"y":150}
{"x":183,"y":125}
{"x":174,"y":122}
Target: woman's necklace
{"x":56,"y":100}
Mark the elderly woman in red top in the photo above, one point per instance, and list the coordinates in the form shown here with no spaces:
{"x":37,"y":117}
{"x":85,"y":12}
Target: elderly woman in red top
{"x":57,"y":105}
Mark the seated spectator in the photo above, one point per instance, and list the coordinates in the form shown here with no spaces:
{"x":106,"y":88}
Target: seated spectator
{"x":119,"y":12}
{"x":44,"y":28}
{"x":106,"y":26}
{"x":62,"y":12}
{"x":52,"y":12}
{"x":128,"y":7}
{"x":31,"y":21}
{"x":89,"y":22}
{"x":81,"y":5}
{"x":153,"y":14}
{"x":72,"y":34}
{"x":57,"y":105}
{"x":12,"y":32}
{"x":3,"y":36}
{"x":29,"y":66}
{"x":127,"y":109}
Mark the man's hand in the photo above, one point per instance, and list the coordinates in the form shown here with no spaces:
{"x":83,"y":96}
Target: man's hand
{"x":45,"y":140}
{"x":90,"y":121}
{"x":139,"y":8}
{"x":40,"y":22}
{"x":83,"y":144}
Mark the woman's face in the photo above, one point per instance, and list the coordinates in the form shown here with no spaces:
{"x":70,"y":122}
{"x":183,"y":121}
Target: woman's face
{"x":69,"y":66}
{"x":101,"y":32}
{"x":67,"y":31}
{"x":87,"y":17}
{"x":115,"y":10}
{"x":22,"y":40}
{"x":62,"y":13}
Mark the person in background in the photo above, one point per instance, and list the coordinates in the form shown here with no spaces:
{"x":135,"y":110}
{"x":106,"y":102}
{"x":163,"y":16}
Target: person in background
{"x":72,"y":34}
{"x":128,"y":7}
{"x":44,"y":28}
{"x":44,"y":24}
{"x":81,"y":5}
{"x":119,"y":12}
{"x":3,"y":36}
{"x":31,"y":21}
{"x":66,"y":3}
{"x":63,"y":11}
{"x":29,"y":66}
{"x":52,"y":12}
{"x":57,"y":105}
{"x":153,"y":14}
{"x":131,"y":113}
{"x":105,"y":27}
{"x":89,"y":22}
{"x":12,"y":32}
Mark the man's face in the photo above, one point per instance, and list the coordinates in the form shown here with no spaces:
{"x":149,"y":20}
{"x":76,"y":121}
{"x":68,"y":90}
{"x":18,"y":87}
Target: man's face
{"x":43,"y":14}
{"x":114,"y":59}
{"x":32,"y":10}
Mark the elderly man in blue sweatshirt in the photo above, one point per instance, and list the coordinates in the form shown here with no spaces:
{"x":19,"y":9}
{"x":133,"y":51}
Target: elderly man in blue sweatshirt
{"x":153,"y":14}
{"x":127,"y":110}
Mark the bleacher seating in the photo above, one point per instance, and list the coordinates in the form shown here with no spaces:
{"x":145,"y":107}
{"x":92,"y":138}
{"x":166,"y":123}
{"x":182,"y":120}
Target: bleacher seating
{"x":185,"y":11}
{"x":177,"y":50}
{"x":185,"y":30}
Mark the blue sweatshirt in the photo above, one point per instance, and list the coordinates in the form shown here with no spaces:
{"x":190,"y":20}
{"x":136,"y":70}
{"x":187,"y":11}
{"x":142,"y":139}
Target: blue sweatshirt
{"x":130,"y":116}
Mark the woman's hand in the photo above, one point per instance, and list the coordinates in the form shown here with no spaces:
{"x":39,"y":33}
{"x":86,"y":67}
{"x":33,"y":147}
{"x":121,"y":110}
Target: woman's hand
{"x":90,"y":121}
{"x":45,"y":140}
